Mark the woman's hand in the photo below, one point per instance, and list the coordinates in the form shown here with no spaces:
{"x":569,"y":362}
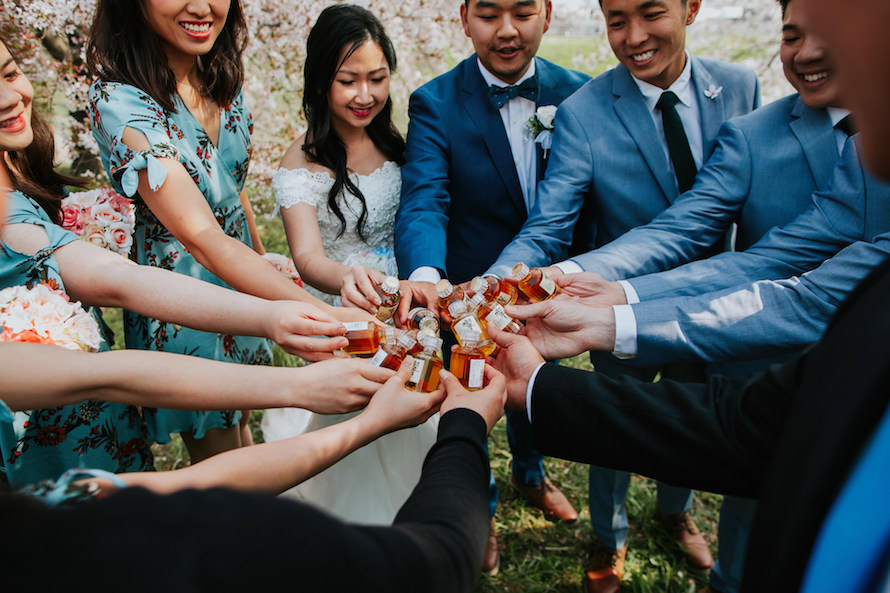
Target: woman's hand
{"x":340,"y":385}
{"x":301,"y":329}
{"x":358,"y":289}
{"x":395,"y":406}
{"x":415,"y":294}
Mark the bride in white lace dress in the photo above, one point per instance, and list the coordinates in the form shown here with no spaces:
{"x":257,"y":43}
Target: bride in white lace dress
{"x":338,"y":189}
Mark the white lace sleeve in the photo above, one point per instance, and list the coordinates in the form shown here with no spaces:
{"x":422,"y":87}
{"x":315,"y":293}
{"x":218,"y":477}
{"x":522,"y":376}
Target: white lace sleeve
{"x":300,"y":186}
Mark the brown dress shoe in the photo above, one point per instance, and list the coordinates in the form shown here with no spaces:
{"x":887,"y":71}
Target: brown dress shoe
{"x":604,"y":570}
{"x":683,"y":529}
{"x":491,"y":560}
{"x":549,"y":499}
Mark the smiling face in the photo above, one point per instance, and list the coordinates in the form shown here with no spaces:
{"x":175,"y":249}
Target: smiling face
{"x":506,"y":33}
{"x":16,"y":94}
{"x":806,"y":63}
{"x":360,"y":88}
{"x":856,"y":34}
{"x":649,"y":37}
{"x":187,"y":28}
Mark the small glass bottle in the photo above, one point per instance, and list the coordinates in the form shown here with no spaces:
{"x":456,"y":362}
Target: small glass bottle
{"x":465,"y":324}
{"x":495,"y":290}
{"x":448,"y":294}
{"x":427,"y":364}
{"x":493,"y":313}
{"x":534,"y":283}
{"x":393,"y":350}
{"x":468,"y":364}
{"x":363,"y":336}
{"x":421,"y":317}
{"x":389,"y":298}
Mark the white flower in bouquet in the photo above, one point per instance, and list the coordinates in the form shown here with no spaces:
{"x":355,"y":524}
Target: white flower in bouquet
{"x":540,"y":126}
{"x":45,"y":315}
{"x":100,"y":217}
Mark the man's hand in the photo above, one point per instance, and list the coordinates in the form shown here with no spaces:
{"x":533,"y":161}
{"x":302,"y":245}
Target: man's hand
{"x":590,"y":289}
{"x":516,"y":359}
{"x":488,"y":402}
{"x":561,"y":328}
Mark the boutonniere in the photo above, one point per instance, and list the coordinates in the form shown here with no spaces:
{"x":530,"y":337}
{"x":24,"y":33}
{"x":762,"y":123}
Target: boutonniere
{"x":540,"y":126}
{"x":712,"y":92}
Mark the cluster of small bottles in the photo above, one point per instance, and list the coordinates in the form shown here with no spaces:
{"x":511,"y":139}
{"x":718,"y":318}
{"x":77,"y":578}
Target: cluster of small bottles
{"x":468,"y":314}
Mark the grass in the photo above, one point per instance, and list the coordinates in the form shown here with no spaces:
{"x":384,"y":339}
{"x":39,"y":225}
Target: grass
{"x":536,"y":555}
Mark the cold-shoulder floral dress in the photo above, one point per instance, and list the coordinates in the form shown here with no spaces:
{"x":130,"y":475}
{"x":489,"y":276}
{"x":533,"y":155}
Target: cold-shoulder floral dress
{"x":219,"y":172}
{"x":42,"y":444}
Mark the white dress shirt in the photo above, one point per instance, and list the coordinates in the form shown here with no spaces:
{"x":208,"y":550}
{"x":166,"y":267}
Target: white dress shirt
{"x":515,"y":114}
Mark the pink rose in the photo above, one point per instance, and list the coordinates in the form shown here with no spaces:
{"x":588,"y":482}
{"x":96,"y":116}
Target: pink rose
{"x":118,"y":237}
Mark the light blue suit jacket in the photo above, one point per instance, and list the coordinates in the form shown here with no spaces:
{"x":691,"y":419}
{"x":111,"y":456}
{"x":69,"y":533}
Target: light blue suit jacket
{"x":762,"y":173}
{"x":731,"y":307}
{"x":608,"y":171}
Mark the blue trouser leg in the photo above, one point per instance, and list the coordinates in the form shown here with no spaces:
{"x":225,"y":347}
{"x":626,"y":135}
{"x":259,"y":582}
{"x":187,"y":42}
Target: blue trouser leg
{"x":528,"y":465}
{"x":492,"y":490}
{"x":736,"y":516}
{"x":607,"y":490}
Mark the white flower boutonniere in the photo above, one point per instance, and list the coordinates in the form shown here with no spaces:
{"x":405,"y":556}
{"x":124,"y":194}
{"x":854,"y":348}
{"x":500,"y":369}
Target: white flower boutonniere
{"x":712,"y":92}
{"x":540,"y":126}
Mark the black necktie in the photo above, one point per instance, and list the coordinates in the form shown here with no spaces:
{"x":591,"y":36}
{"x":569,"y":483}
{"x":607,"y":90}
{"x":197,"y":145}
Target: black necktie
{"x":677,"y":143}
{"x":499,"y":95}
{"x":847,"y":125}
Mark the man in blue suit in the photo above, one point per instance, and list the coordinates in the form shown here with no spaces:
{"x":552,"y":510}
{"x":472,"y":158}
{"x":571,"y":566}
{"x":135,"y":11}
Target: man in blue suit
{"x":470,"y":177}
{"x":763,"y":170}
{"x":615,"y":166}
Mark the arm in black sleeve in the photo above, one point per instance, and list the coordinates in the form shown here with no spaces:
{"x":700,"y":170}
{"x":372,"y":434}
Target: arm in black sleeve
{"x":717,"y":436}
{"x":224,"y":540}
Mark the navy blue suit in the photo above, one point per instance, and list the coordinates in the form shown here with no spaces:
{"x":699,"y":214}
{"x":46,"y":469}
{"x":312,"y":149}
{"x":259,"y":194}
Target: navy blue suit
{"x":461,"y":197}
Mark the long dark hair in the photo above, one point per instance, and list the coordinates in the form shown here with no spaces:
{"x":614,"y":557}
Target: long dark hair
{"x":343,"y":26}
{"x":124,"y":48}
{"x":32,"y":168}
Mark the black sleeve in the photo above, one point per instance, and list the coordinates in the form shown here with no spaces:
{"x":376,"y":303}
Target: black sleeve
{"x":219,"y":540}
{"x":717,"y":436}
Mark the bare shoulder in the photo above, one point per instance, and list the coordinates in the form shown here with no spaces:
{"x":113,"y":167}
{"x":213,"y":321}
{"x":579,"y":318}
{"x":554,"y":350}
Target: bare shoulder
{"x":295,"y":158}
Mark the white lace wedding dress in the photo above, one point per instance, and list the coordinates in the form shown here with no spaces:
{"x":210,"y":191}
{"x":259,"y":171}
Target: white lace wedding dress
{"x":369,"y":485}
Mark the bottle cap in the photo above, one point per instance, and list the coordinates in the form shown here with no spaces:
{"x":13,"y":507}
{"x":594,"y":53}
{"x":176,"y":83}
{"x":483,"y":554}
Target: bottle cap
{"x":520,"y":270}
{"x":430,"y":323}
{"x":477,"y":300}
{"x":406,"y":340}
{"x":478,"y":284}
{"x":457,"y":307}
{"x":390,"y":285}
{"x":444,"y":288}
{"x":430,"y":342}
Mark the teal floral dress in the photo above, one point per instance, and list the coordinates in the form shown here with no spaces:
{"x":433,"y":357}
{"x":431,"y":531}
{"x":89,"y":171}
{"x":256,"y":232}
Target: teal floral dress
{"x":219,"y":172}
{"x":41,"y":444}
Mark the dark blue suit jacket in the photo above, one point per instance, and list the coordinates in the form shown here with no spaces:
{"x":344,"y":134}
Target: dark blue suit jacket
{"x":461,"y":199}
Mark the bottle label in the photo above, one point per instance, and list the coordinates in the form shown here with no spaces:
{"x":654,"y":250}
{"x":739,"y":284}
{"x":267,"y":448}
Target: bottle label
{"x":467,"y":328}
{"x":504,"y":298}
{"x":352,"y":326}
{"x":379,"y":358}
{"x":417,"y":371}
{"x":498,"y":317}
{"x":385,"y":313}
{"x":547,"y":285}
{"x":477,"y":372}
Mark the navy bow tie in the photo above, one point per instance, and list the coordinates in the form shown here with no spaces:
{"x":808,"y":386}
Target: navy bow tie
{"x":499,"y":95}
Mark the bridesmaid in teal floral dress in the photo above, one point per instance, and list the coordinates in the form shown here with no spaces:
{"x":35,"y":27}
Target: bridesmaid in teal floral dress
{"x":174,"y":133}
{"x":41,"y":444}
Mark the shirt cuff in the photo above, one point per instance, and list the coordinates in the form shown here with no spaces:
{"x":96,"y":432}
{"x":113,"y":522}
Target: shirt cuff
{"x":425,"y":274}
{"x":625,"y":332}
{"x":630,"y":295}
{"x":569,"y":267}
{"x":528,"y":392}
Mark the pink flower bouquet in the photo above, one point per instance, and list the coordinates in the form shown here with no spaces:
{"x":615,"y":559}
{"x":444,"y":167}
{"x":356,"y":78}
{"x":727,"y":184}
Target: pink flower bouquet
{"x":45,"y":315}
{"x":100,"y":217}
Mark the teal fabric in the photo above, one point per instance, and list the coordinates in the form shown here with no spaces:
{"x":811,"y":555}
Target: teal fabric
{"x":42,"y":444}
{"x":219,"y":172}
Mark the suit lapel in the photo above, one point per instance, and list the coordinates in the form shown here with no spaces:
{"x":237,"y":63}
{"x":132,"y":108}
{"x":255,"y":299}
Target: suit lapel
{"x":488,"y":121}
{"x":712,"y":109}
{"x":550,"y":92}
{"x":631,"y":110}
{"x":814,"y":132}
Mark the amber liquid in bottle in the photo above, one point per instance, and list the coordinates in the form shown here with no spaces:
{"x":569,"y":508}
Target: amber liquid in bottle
{"x":507,"y":293}
{"x":534,"y":283}
{"x":448,"y":294}
{"x":390,"y":356}
{"x":364,"y":338}
{"x":468,"y":365}
{"x":466,"y":326}
{"x":422,"y":318}
{"x":425,"y":370}
{"x":494,"y":314}
{"x":389,"y":298}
